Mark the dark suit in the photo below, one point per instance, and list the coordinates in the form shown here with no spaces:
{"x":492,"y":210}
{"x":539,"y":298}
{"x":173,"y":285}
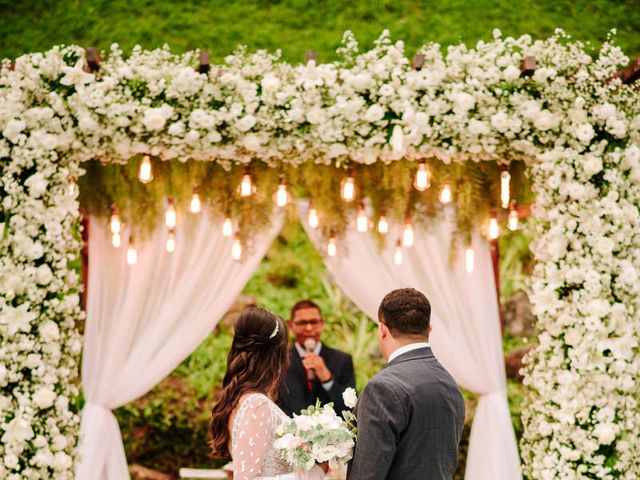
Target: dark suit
{"x":294,"y":392}
{"x":410,"y":418}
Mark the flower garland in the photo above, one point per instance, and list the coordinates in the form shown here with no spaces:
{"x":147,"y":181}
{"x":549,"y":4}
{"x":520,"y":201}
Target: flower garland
{"x":577,"y":129}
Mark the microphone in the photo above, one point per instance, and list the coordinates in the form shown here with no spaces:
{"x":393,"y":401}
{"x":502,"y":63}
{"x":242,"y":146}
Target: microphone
{"x":309,"y":346}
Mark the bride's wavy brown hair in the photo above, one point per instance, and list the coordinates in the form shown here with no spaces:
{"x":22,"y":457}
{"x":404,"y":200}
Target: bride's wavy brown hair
{"x":257,"y":360}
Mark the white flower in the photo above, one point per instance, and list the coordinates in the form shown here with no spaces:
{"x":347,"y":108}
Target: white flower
{"x":62,"y":461}
{"x":511,"y":73}
{"x":592,"y":165}
{"x":585,"y":133}
{"x":49,"y":331}
{"x":18,"y":430}
{"x":374,"y":113}
{"x":270,"y":83}
{"x":246,"y":123}
{"x":36,"y":184}
{"x":155,"y":118}
{"x":546,"y":120}
{"x":605,"y":246}
{"x":18,"y":318}
{"x":304,"y":422}
{"x":76,"y":75}
{"x":397,"y":140}
{"x":605,"y":432}
{"x":349,"y":397}
{"x":13,"y":129}
{"x":44,"y":397}
{"x":44,"y":275}
{"x":463,"y":102}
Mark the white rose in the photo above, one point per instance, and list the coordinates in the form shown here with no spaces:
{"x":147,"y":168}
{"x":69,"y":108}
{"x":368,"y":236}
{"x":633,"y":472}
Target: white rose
{"x":36,"y":184}
{"x":13,"y":129}
{"x":11,"y":461}
{"x":349,"y":397}
{"x":246,"y":123}
{"x":336,"y":150}
{"x":176,"y":129}
{"x":315,"y":115}
{"x":374,"y":113}
{"x":32,"y":361}
{"x":39,"y":441}
{"x":18,"y":430}
{"x":511,"y":73}
{"x":585,"y":133}
{"x":252,"y":142}
{"x":62,"y":461}
{"x":49,"y":331}
{"x":361,"y":81}
{"x":303,"y":422}
{"x":156,"y":118}
{"x":59,"y":442}
{"x":592,"y":165}
{"x":463,"y":102}
{"x":3,"y":375}
{"x":270,"y":83}
{"x":44,"y":397}
{"x":44,"y":275}
{"x":546,"y":120}
{"x":397,"y":140}
{"x":605,"y":111}
{"x":605,"y":433}
{"x":605,"y":246}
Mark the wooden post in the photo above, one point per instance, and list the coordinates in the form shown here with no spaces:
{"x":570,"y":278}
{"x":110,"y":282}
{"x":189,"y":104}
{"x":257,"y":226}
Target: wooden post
{"x":204,"y":66}
{"x":418,"y":61}
{"x":527,"y":66}
{"x":92,"y":57}
{"x":631,"y":73}
{"x":311,"y":55}
{"x":495,"y":256}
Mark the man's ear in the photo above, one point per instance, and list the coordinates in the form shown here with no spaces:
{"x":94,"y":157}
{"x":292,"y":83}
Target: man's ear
{"x":384,"y":330}
{"x":430,"y":328}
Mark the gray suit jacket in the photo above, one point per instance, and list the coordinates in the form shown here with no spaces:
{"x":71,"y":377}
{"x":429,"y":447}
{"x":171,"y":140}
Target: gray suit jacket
{"x":410,"y":418}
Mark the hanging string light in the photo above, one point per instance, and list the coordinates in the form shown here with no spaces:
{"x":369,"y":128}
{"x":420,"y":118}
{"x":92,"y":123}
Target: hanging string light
{"x":383,"y":225}
{"x":397,"y":254}
{"x":246,"y":185}
{"x":505,"y":180}
{"x":116,"y":240}
{"x":114,"y":220}
{"x":469,"y":259}
{"x":145,"y":174}
{"x":423,"y":177}
{"x":513,"y":217}
{"x":170,"y":218}
{"x":72,"y":188}
{"x":227,"y":227}
{"x":282,"y":196}
{"x":348,"y":188}
{"x":408,"y":234}
{"x":332,"y":247}
{"x":132,"y":253}
{"x":171,"y":241}
{"x":494,"y":227}
{"x":236,"y":248}
{"x":313,"y":219}
{"x":445,"y":194}
{"x":362,"y":222}
{"x":195,"y":206}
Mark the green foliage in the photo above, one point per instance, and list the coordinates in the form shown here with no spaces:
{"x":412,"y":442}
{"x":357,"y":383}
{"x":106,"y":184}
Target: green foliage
{"x":516,"y":259}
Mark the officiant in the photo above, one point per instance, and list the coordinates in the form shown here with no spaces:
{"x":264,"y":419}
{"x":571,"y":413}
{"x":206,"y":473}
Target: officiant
{"x":316,"y":371}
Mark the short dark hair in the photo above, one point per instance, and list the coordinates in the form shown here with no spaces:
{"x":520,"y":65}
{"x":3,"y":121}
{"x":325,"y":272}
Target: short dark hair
{"x":301,"y":305}
{"x":405,"y":311}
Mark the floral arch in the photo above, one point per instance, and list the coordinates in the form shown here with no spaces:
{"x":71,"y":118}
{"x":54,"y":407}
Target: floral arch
{"x":467,"y":112}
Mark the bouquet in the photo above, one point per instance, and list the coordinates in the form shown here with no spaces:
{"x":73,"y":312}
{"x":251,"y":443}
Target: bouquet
{"x":318,"y":435}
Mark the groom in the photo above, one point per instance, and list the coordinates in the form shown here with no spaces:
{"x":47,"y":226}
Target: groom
{"x":410,"y":415}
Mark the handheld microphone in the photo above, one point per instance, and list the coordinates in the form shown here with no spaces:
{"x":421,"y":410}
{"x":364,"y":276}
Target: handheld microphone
{"x":309,"y":346}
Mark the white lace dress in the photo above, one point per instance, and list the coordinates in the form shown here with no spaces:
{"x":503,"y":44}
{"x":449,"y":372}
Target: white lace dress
{"x":252,"y":437}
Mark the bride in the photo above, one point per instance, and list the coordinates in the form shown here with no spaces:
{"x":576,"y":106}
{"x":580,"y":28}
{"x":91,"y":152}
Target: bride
{"x":244,"y":420}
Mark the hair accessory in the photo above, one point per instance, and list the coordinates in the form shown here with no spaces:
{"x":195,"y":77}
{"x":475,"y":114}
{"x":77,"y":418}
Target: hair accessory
{"x":275,"y":330}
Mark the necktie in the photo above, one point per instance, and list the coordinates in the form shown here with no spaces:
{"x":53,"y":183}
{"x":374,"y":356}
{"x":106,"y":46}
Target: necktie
{"x":306,"y":374}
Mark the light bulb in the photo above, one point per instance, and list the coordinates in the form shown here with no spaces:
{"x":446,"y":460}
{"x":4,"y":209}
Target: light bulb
{"x":348,"y":188}
{"x":114,"y":221}
{"x":282,"y":196}
{"x":170,"y":218}
{"x":494,"y":227}
{"x":132,"y":253}
{"x":314,"y":221}
{"x":116,"y":240}
{"x":397,"y":255}
{"x":227,"y":227}
{"x":362,"y":222}
{"x":171,"y":242}
{"x":423,"y":178}
{"x":445,"y":194}
{"x":246,"y":186}
{"x":383,"y":225}
{"x":72,"y":188}
{"x":195,"y":206}
{"x":469,"y":259}
{"x":408,"y":235}
{"x":513,"y":218}
{"x":145,"y":175}
{"x":236,"y":248}
{"x":505,"y":179}
{"x":332,"y":247}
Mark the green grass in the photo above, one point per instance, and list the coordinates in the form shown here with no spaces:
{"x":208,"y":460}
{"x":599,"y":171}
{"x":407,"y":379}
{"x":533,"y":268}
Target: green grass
{"x":295,"y":26}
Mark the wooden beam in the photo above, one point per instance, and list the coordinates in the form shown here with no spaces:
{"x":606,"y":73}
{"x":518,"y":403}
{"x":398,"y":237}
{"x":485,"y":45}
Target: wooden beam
{"x":311,"y":55}
{"x":92,"y":56}
{"x":418,"y":61}
{"x":527,"y":66}
{"x":631,"y":73}
{"x":204,"y":65}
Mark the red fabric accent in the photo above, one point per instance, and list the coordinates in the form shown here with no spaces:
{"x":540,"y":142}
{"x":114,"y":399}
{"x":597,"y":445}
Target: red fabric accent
{"x":306,"y":374}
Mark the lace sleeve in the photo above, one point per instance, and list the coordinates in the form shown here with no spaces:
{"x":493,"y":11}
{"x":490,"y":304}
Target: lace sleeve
{"x":250,"y":438}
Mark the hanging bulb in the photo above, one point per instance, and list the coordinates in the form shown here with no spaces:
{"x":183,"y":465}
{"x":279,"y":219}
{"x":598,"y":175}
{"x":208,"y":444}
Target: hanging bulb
{"x":445,"y":194}
{"x":494,"y":227}
{"x":227,"y":227}
{"x":114,"y":220}
{"x":116,"y":240}
{"x":282,"y":196}
{"x":246,"y":186}
{"x":145,"y":175}
{"x":469,"y":259}
{"x":513,"y":217}
{"x":132,"y":253}
{"x":236,"y":248}
{"x":195,"y":201}
{"x":362,"y":222}
{"x":171,"y":242}
{"x":423,"y":177}
{"x":72,"y":188}
{"x":348,"y":188}
{"x":170,"y":218}
{"x":332,"y":247}
{"x":383,"y":225}
{"x":397,"y":255}
{"x":505,"y":179}
{"x":407,"y":234}
{"x":313,"y":219}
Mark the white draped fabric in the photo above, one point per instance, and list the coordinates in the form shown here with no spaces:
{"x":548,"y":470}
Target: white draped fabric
{"x":466,"y":334}
{"x":143,"y":320}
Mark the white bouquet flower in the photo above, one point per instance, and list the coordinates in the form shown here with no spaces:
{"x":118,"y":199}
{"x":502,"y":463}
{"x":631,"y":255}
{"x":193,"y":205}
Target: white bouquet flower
{"x":317,"y":435}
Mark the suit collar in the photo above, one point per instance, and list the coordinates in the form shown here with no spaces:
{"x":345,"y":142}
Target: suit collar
{"x":424,"y":352}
